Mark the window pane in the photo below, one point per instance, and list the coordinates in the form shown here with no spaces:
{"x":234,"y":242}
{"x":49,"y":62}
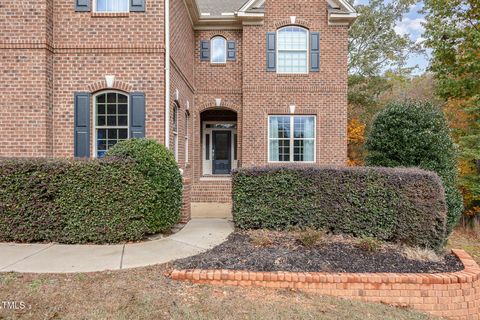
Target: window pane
{"x":101,"y":5}
{"x":122,"y":109}
{"x":218,"y":50}
{"x":101,"y":134}
{"x":122,"y":120}
{"x":101,"y":121}
{"x":111,"y":121}
{"x":123,"y":134}
{"x":304,"y":127}
{"x":101,"y":109}
{"x":112,"y":98}
{"x":207,"y":147}
{"x":111,"y":109}
{"x":280,"y":127}
{"x":175,"y":119}
{"x":122,"y":98}
{"x":101,"y":98}
{"x":279,"y":150}
{"x":292,"y":38}
{"x":303,"y":150}
{"x":112,"y":5}
{"x":292,"y":62}
{"x":112,"y":134}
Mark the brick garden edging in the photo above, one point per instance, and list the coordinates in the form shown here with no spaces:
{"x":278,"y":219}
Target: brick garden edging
{"x":453,"y":295}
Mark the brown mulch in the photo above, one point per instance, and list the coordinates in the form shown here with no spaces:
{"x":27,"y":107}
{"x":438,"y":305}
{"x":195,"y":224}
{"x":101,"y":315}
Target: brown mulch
{"x":276,"y":251}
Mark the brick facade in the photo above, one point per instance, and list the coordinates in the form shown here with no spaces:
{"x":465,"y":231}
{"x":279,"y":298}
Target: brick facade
{"x":452,"y":295}
{"x":49,"y":52}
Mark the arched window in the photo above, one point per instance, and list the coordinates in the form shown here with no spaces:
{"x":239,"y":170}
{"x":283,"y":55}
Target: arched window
{"x":218,"y":50}
{"x":292,"y":50}
{"x":175,"y":131}
{"x":111,"y":120}
{"x":187,"y":117}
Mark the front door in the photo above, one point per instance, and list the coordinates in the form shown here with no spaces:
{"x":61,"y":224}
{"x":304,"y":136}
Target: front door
{"x":222,"y":152}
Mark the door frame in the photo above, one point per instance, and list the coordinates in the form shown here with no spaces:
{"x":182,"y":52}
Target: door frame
{"x":207,"y":164}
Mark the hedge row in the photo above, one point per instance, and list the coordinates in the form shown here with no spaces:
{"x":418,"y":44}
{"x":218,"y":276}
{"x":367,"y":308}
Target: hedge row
{"x":74,"y":201}
{"x":398,"y":205}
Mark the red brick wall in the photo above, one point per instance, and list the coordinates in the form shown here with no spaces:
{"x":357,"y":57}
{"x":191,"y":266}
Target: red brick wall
{"x":452,"y":295}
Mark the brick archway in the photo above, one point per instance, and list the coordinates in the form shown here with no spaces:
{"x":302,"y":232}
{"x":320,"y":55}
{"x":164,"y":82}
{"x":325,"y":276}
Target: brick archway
{"x":117,"y":85}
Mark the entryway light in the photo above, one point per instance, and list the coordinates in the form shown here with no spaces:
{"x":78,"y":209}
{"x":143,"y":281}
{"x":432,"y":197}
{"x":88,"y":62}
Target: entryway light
{"x":177,"y":95}
{"x":292,"y":109}
{"x":110,"y":81}
{"x":218,"y":102}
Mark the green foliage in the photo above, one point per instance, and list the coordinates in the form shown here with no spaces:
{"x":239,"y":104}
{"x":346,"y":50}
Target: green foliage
{"x":452,"y":30}
{"x":158,"y":164}
{"x":374,"y":45}
{"x":415,"y":134}
{"x":398,"y":205}
{"x":369,"y":244}
{"x":99,"y":201}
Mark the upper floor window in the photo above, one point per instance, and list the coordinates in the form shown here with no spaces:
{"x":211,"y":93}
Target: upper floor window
{"x":111,"y":5}
{"x":292,"y":50}
{"x":111,"y":120}
{"x":218,"y":50}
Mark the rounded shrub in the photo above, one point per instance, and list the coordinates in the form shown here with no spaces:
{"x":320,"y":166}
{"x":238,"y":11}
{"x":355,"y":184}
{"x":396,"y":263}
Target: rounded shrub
{"x":416,"y":134}
{"x":158,"y":165}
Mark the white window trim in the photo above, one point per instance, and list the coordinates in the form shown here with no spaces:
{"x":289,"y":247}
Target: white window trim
{"x":292,"y":138}
{"x":277,"y":50}
{"x":94,"y":8}
{"x":176,"y":108}
{"x":211,"y":50}
{"x":95,"y":127}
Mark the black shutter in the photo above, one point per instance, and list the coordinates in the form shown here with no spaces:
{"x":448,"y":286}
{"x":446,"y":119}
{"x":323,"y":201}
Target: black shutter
{"x":137,"y":115}
{"x":231,"y":50}
{"x":82,"y":125}
{"x":205,"y":50}
{"x":315,"y":51}
{"x":82,"y":5}
{"x":137,"y":5}
{"x":271,"y":51}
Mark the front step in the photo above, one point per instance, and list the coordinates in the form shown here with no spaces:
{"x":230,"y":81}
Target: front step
{"x":211,"y":210}
{"x":212,"y":191}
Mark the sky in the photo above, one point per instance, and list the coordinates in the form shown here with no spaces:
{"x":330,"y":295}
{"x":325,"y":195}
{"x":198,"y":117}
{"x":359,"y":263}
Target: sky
{"x":412,"y":24}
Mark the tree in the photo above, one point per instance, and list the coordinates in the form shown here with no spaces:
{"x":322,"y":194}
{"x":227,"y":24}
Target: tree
{"x":416,"y":134}
{"x":452,"y":30}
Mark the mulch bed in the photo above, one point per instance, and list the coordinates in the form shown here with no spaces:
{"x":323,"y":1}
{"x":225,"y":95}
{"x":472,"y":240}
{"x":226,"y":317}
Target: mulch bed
{"x":276,"y":251}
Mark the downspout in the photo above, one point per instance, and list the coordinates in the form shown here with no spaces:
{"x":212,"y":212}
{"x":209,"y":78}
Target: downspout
{"x":167,"y":74}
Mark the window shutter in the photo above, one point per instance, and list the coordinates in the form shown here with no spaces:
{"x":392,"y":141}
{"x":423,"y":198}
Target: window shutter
{"x":204,"y":50}
{"x":231,"y":50}
{"x":137,"y":115}
{"x":82,"y":125}
{"x":271,"y":51}
{"x":137,"y":5}
{"x":82,"y":5}
{"x":315,"y":51}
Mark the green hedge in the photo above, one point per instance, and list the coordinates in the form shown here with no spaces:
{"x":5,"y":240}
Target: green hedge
{"x":398,"y":205}
{"x":74,"y":201}
{"x":415,"y":134}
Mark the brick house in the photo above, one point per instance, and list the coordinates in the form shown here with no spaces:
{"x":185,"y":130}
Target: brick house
{"x":246,"y":82}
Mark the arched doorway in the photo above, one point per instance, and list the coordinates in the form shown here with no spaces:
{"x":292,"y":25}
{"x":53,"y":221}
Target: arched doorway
{"x":219,"y":142}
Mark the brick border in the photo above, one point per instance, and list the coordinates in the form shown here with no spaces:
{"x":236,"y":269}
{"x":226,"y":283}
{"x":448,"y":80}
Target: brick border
{"x":453,"y":295}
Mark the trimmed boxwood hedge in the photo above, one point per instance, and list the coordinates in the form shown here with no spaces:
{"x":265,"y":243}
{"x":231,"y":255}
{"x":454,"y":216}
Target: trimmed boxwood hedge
{"x":398,"y":205}
{"x":98,"y":201}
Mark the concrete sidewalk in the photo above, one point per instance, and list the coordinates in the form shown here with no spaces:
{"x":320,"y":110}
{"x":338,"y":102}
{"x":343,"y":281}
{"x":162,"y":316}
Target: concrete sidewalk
{"x":198,"y":235}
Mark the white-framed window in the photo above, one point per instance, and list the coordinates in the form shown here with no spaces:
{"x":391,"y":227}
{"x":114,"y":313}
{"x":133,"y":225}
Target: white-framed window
{"x":187,"y":117}
{"x":111,"y":117}
{"x":291,"y":138}
{"x":292,"y":50}
{"x":111,"y":5}
{"x":175,"y":131}
{"x":218,"y":47}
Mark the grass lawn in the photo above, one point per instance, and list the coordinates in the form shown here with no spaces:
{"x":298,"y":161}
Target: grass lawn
{"x":147,"y":294}
{"x":467,"y":240}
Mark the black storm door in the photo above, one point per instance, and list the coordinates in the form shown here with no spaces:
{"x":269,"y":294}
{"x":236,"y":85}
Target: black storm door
{"x":222,"y":152}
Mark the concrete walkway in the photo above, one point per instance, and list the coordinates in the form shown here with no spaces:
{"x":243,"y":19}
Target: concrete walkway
{"x":198,"y":235}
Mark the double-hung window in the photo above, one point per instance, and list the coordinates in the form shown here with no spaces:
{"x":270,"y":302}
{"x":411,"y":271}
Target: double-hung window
{"x":292,"y":50}
{"x":111,"y":120}
{"x":291,"y":138}
{"x":175,"y":131}
{"x":219,"y":50}
{"x":111,"y":5}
